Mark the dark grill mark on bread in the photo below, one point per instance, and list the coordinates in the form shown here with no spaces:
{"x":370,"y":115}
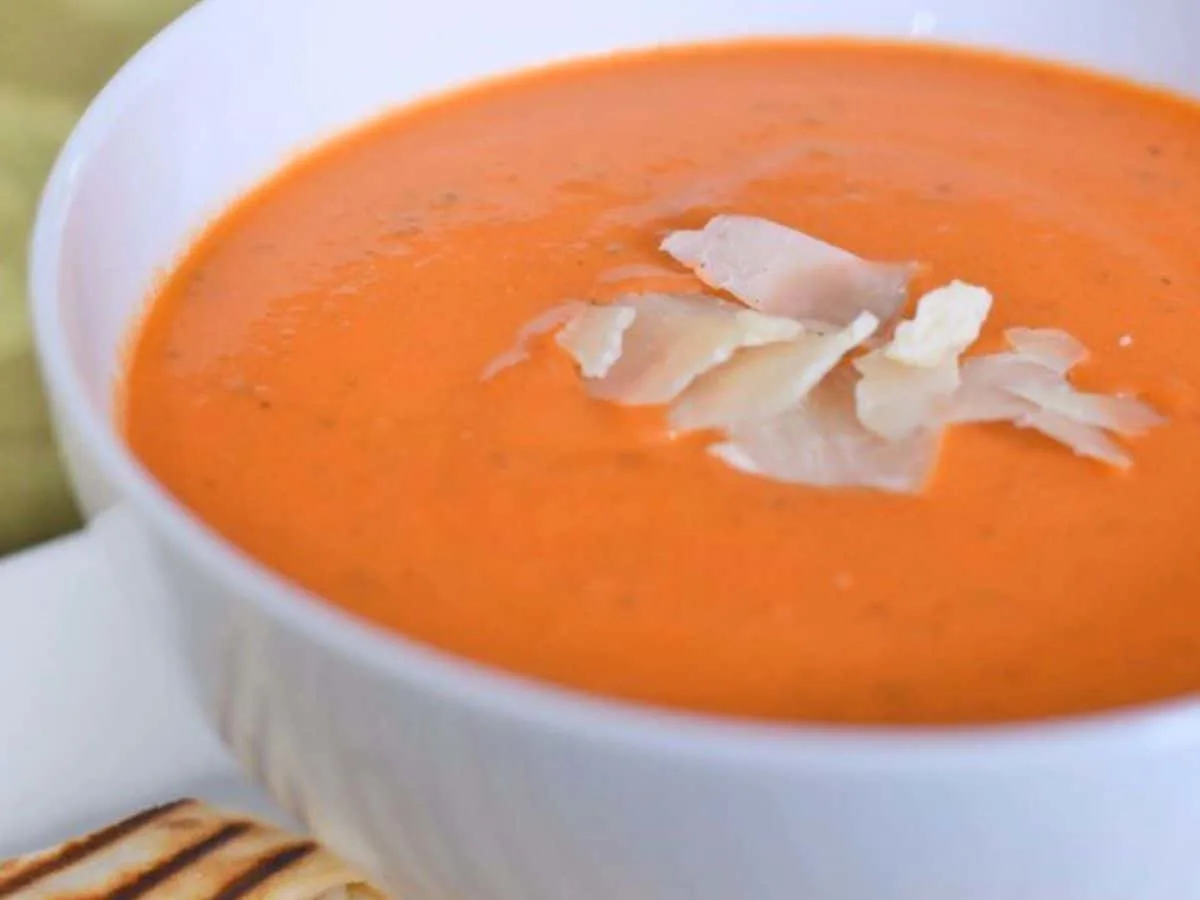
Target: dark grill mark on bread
{"x":265,"y":869}
{"x":147,"y":881}
{"x":80,"y":850}
{"x":182,"y":851}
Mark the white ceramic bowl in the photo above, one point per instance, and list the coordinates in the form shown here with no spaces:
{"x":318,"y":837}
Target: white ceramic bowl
{"x":450,"y":781}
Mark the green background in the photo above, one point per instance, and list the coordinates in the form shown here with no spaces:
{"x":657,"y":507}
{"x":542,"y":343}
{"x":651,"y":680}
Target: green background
{"x":54,"y":56}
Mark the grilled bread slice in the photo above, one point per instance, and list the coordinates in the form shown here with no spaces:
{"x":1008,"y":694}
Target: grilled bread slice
{"x":185,"y":851}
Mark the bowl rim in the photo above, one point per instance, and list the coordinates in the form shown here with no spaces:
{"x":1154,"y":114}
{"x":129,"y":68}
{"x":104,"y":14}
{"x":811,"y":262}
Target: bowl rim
{"x":488,"y":691}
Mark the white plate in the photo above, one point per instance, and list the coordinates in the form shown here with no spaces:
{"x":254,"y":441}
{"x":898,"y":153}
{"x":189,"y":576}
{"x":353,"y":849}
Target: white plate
{"x":94,"y":718}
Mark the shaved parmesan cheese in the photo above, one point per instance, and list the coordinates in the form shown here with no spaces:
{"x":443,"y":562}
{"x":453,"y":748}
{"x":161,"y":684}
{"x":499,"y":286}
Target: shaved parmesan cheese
{"x":675,"y":339}
{"x":971,"y":404}
{"x":760,"y":383}
{"x":1049,"y":347}
{"x":983,"y":394}
{"x":909,"y":383}
{"x":820,"y":442}
{"x":1085,"y":440}
{"x":771,"y":377}
{"x":594,"y":337}
{"x":1013,"y":387}
{"x":759,"y":329}
{"x":1124,"y":415}
{"x":785,"y":272}
{"x":894,"y":400}
{"x":551,"y":319}
{"x":948,"y":321}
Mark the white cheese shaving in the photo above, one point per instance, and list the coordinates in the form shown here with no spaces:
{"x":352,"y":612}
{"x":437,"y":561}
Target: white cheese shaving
{"x":785,"y":272}
{"x":983,"y":394}
{"x":594,"y":337}
{"x":1049,"y":347}
{"x":760,"y":383}
{"x":948,"y":321}
{"x":675,"y":339}
{"x":910,"y":382}
{"x":1124,"y":415}
{"x":894,"y":399}
{"x":821,"y":443}
{"x":551,"y":319}
{"x":1016,"y":388}
{"x":1083,"y":439}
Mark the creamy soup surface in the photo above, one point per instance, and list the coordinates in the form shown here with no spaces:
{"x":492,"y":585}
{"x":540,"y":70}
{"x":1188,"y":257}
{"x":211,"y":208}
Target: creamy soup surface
{"x":307,"y":381}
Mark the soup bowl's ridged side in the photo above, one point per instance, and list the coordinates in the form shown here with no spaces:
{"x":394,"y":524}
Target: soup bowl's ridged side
{"x":444,"y":797}
{"x":453,"y":782}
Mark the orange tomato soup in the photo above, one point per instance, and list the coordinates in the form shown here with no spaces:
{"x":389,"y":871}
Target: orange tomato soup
{"x":308,"y":383}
